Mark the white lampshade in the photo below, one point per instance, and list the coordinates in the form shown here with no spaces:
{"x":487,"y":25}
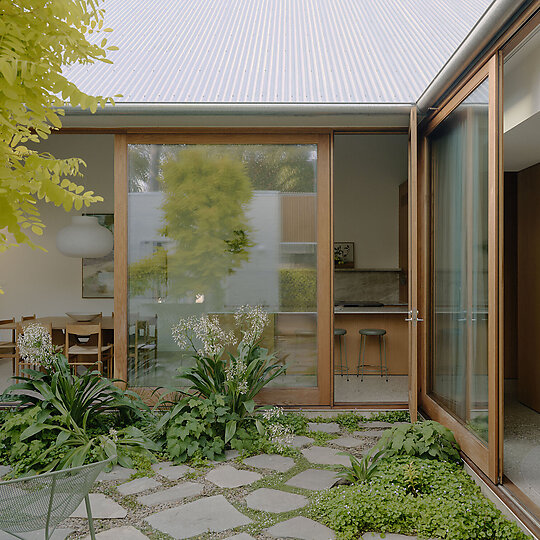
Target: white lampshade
{"x":84,"y":237}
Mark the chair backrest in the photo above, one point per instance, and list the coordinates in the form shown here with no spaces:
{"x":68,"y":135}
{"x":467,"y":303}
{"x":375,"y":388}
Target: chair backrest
{"x":84,"y":330}
{"x":28,"y":317}
{"x":12,"y":330}
{"x":36,"y":502}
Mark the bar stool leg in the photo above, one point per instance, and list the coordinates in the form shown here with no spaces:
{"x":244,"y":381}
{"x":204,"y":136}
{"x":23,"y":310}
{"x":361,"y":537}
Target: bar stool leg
{"x":385,"y":362}
{"x":340,"y":357}
{"x":380,"y":354}
{"x":345,"y":353}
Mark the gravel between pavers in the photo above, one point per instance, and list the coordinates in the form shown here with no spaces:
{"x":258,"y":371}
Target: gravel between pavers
{"x":236,"y":496}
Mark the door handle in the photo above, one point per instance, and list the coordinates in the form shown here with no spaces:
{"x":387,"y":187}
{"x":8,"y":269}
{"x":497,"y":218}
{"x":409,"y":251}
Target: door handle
{"x":410,"y":317}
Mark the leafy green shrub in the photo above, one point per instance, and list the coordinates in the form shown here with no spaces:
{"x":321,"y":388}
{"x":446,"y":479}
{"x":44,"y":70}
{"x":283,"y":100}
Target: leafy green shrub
{"x":360,"y":470}
{"x":83,"y":397}
{"x":428,"y":440}
{"x":298,"y":289}
{"x":199,"y":427}
{"x":448,"y":504}
{"x":349,"y":420}
{"x":389,"y":416}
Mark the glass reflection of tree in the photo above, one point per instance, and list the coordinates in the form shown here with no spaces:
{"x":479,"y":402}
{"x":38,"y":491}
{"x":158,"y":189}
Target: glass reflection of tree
{"x":204,"y":199}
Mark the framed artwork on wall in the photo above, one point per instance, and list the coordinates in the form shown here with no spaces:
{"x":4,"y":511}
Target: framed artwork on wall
{"x":344,"y":254}
{"x":98,"y":274}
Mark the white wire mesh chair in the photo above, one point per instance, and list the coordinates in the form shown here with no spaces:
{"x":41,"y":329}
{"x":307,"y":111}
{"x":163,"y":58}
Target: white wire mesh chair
{"x":43,"y":501}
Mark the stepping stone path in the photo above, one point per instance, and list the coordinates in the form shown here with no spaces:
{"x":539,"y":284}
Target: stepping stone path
{"x":103,"y":507}
{"x":120,"y":533}
{"x":322,"y":455}
{"x":174,"y":494}
{"x":170,"y":471}
{"x":314,"y":479}
{"x":138,"y":485}
{"x":301,"y":440}
{"x":274,"y":462}
{"x":4,"y":469}
{"x":274,"y":500}
{"x":347,"y":442}
{"x":209,"y":514}
{"x":186,"y":509}
{"x":327,"y":427}
{"x":227,"y":476}
{"x":116,"y":473}
{"x":301,"y":527}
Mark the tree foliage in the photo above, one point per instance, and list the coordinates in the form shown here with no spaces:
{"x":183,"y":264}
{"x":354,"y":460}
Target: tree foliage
{"x":203,"y":209}
{"x":38,"y":38}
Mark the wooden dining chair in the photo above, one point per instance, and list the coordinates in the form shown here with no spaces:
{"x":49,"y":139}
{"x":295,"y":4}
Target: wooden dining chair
{"x":83,"y":340}
{"x":7,"y":347}
{"x":21,"y":363}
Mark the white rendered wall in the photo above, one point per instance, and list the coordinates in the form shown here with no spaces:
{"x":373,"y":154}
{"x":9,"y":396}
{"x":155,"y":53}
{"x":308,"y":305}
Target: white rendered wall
{"x":368,"y":170}
{"x":50,"y":283}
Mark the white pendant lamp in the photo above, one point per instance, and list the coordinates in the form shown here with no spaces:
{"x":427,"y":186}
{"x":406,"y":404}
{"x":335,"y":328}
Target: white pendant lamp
{"x":84,"y":237}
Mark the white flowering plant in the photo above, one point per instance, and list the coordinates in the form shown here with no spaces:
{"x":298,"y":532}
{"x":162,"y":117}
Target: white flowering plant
{"x":238,"y":376}
{"x":35,"y":345}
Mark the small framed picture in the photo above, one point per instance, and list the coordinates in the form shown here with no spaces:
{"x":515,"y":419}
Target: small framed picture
{"x":344,"y":254}
{"x":98,"y":274}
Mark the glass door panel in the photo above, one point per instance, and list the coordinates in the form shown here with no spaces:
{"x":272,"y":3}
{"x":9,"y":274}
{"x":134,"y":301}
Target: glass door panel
{"x":211,"y":228}
{"x":458,"y":378}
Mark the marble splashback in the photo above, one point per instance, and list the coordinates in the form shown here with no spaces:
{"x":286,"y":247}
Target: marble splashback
{"x":366,"y":286}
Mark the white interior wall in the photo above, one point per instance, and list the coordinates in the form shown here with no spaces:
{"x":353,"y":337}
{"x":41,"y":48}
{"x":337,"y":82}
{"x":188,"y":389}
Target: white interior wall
{"x":50,"y":283}
{"x":368,"y":170}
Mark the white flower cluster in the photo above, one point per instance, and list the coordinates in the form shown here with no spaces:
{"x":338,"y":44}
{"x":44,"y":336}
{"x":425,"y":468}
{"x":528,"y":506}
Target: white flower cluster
{"x":280,"y":436}
{"x":205,"y":329}
{"x":251,"y":321}
{"x":272,"y":413}
{"x":35,"y":345}
{"x":235,"y":373}
{"x":113,"y":434}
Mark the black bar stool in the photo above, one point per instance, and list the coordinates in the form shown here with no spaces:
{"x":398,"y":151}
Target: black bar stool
{"x":381,"y":334}
{"x":340,"y":333}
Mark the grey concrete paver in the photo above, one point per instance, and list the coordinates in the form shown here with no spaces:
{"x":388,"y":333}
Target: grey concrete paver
{"x":314,"y":479}
{"x":275,"y":500}
{"x":138,"y":485}
{"x":209,"y":514}
{"x":127,"y":532}
{"x":301,"y":440}
{"x":241,"y":536}
{"x":347,"y":442}
{"x":4,"y":469}
{"x":174,"y":494}
{"x":302,"y":528}
{"x":227,"y":476}
{"x":116,"y":473}
{"x":328,"y":427}
{"x":102,"y":507}
{"x":273,"y":462}
{"x":170,"y":471}
{"x":370,"y":433}
{"x":378,"y":424}
{"x":322,"y":455}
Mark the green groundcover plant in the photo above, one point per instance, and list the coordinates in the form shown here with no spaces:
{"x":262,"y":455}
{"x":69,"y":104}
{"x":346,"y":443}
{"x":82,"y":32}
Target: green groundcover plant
{"x":414,"y":496}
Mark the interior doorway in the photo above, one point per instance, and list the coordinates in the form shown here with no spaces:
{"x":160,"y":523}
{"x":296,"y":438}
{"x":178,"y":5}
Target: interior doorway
{"x":370,"y":269}
{"x":522,"y":271}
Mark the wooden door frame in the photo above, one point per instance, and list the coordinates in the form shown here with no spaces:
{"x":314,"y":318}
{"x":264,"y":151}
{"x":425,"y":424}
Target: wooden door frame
{"x":485,"y":457}
{"x":412,"y":271}
{"x":322,"y":394}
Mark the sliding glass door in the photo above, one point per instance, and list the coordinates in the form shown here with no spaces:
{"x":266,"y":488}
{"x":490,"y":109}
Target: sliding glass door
{"x":214,"y":226}
{"x":460,"y":386}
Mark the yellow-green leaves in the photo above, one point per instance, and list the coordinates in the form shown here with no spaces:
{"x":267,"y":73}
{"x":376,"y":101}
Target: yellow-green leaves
{"x":37,"y":39}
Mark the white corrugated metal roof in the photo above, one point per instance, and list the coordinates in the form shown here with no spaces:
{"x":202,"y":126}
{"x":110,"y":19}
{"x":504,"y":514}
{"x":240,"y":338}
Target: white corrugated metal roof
{"x":277,"y":51}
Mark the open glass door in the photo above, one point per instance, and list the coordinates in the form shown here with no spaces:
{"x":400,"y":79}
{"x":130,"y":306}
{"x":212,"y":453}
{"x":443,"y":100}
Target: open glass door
{"x":412,"y":266}
{"x":459,"y":386}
